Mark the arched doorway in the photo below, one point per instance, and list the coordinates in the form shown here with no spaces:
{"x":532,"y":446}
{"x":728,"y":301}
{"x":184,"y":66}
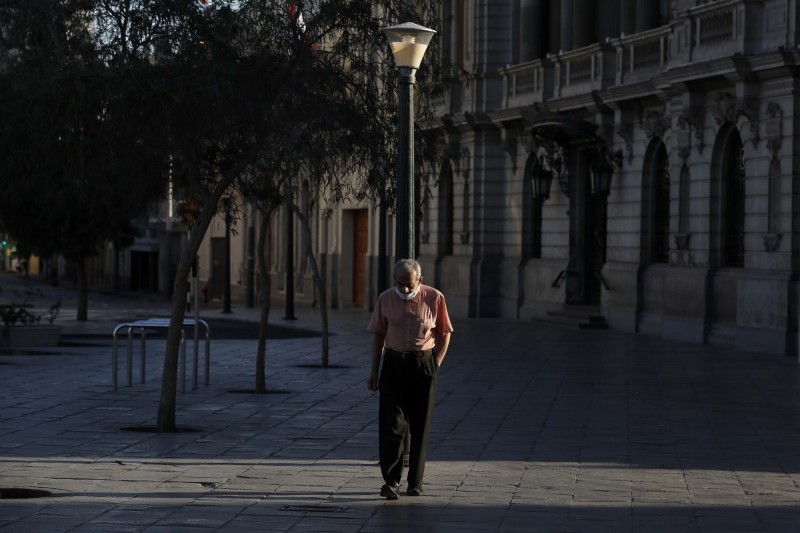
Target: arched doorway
{"x":726,"y":235}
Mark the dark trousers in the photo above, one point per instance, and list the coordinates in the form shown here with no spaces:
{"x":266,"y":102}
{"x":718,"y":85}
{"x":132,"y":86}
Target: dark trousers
{"x":407,"y":393}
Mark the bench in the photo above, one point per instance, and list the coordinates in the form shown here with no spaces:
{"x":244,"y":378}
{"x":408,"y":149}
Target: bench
{"x":141,"y":327}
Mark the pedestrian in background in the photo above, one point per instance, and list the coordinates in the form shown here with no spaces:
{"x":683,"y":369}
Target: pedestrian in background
{"x":411,"y":330}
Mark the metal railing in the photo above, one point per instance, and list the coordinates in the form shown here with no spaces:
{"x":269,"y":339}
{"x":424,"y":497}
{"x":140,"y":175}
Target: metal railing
{"x":141,"y":327}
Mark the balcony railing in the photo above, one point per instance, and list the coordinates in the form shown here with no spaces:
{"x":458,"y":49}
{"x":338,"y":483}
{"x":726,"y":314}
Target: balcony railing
{"x":642,"y":55}
{"x":706,"y":32}
{"x":584,"y":70}
{"x":528,"y":82}
{"x":728,"y":27}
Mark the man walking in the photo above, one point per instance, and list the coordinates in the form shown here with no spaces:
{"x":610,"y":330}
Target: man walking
{"x":411,"y":329}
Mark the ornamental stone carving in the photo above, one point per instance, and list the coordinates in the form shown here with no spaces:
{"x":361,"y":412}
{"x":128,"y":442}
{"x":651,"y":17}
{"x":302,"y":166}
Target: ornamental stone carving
{"x":728,"y":108}
{"x":625,"y":131}
{"x":654,"y":124}
{"x":691,"y":119}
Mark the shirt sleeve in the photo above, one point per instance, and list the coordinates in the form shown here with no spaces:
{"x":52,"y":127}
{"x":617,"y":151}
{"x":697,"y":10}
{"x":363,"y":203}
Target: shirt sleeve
{"x":377,"y":324}
{"x":443,"y":324}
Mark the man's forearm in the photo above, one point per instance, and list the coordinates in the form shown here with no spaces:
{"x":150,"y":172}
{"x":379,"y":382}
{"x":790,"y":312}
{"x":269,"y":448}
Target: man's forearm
{"x":377,"y":350}
{"x":441,"y":348}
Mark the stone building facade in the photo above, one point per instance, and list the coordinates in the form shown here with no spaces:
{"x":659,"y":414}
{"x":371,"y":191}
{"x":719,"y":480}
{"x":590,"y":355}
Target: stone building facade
{"x":687,"y":107}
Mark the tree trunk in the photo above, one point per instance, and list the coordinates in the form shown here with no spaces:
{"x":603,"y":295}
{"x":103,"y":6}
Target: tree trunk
{"x":169,"y":377}
{"x":82,"y":314}
{"x":264,"y":295}
{"x":323,"y":304}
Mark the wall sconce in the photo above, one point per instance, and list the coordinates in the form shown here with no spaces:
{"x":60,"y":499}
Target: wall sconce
{"x":541,"y":183}
{"x":601,"y":179}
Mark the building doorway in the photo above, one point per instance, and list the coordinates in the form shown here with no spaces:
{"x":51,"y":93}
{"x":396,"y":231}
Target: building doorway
{"x":360,"y":246}
{"x":587,"y":234}
{"x":144,"y":271}
{"x":217,"y":267}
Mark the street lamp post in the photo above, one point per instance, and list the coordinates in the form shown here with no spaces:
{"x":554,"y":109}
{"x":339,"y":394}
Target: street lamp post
{"x":408,"y":42}
{"x":226,"y":272}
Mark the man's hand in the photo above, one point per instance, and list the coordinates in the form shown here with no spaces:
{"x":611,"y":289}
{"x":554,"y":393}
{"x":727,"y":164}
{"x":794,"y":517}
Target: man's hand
{"x":376,"y":351}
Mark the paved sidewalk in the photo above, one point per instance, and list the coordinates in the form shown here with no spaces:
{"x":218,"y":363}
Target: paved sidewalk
{"x":536,"y":429}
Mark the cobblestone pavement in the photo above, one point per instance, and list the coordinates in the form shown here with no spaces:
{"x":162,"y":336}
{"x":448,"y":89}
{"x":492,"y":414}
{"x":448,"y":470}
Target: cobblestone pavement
{"x":536,"y":429}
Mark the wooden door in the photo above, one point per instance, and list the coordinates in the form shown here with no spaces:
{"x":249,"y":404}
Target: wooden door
{"x":360,"y":244}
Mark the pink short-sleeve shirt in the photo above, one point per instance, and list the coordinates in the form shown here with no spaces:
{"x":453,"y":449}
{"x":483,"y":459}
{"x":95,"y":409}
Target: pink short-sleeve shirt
{"x":411,"y":324}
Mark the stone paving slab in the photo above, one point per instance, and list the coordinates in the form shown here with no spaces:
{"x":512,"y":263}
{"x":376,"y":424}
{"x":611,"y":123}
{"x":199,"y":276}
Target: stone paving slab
{"x":536,"y":429}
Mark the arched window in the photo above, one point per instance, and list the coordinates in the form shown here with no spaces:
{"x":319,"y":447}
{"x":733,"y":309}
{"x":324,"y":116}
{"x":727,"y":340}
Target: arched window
{"x":656,"y":207}
{"x":660,"y":187}
{"x":732,"y":201}
{"x":727,"y":208}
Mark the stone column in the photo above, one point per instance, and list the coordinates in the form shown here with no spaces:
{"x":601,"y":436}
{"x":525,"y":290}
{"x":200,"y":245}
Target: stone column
{"x":647,"y":15}
{"x":627,"y":16}
{"x":583,"y":23}
{"x":553,"y":24}
{"x":609,"y":18}
{"x":531,"y":28}
{"x":565,"y":26}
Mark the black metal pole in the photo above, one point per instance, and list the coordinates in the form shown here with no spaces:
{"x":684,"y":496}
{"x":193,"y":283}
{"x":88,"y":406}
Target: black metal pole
{"x":116,"y":267}
{"x":404,"y":244}
{"x":226,"y":272}
{"x":383,"y":281}
{"x":289,"y":261}
{"x":251,"y":262}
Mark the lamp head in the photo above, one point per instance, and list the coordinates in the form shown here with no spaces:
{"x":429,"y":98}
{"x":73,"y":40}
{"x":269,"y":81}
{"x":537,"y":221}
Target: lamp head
{"x":409,"y":42}
{"x":541,"y":183}
{"x":601,"y":178}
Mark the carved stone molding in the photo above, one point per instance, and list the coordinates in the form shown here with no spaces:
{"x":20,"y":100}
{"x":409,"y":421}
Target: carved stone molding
{"x":625,"y":131}
{"x":692,"y":119}
{"x":512,"y":133}
{"x":460,"y":157}
{"x":552,"y":157}
{"x":684,"y":152}
{"x":749,"y":110}
{"x":449,"y":146}
{"x":773,"y":124}
{"x":654,"y":124}
{"x":772,"y":241}
{"x":682,"y":241}
{"x":728,"y":108}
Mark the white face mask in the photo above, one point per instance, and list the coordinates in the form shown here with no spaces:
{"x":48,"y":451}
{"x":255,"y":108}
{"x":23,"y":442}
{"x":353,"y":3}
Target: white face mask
{"x":405,"y":296}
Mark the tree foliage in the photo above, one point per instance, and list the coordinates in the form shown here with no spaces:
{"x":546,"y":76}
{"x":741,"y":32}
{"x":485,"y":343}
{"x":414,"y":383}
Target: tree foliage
{"x":214,"y":95}
{"x":84,"y":154}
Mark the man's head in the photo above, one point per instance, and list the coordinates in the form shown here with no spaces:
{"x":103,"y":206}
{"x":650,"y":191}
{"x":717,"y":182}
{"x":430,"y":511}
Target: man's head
{"x":407,"y":276}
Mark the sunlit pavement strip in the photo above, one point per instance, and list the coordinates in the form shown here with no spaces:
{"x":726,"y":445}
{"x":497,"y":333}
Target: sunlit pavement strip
{"x":536,"y":429}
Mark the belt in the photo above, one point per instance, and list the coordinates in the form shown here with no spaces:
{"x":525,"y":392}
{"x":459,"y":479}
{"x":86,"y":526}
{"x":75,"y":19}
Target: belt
{"x":413,"y":353}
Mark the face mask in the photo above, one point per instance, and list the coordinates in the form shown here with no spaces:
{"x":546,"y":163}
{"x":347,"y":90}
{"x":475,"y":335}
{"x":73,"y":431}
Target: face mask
{"x":405,"y":296}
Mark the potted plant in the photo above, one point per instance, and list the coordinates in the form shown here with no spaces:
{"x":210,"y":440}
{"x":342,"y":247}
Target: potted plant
{"x":25,"y":326}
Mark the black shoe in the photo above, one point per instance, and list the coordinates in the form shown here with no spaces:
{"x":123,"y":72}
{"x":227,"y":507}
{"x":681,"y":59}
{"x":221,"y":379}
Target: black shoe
{"x":414,"y":491}
{"x":389,"y":492}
